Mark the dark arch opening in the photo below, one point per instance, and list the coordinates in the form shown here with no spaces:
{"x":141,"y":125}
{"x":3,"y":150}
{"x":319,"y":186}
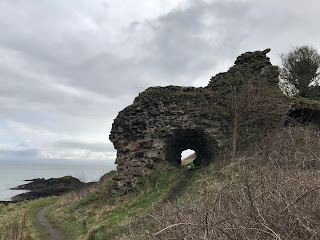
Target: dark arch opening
{"x":304,"y":116}
{"x":196,"y":140}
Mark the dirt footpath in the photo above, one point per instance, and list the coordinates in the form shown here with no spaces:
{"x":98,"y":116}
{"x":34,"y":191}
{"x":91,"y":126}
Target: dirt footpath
{"x":53,"y":232}
{"x":177,"y":189}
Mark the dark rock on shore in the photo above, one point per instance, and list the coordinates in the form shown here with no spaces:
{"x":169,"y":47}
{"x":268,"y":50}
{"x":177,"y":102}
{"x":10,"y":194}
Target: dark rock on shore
{"x":32,"y":180}
{"x":41,"y":187}
{"x":7,"y":202}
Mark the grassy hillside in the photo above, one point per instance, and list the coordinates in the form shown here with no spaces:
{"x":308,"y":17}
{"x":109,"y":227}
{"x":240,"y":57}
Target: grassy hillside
{"x":269,"y":192}
{"x":97,"y":214}
{"x":19,"y":221}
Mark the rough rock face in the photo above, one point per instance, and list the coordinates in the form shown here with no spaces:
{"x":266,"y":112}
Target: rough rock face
{"x":160,"y":124}
{"x":248,"y":66}
{"x":164,"y":121}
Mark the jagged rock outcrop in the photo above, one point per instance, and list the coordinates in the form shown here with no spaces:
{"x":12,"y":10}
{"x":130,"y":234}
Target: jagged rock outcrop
{"x":247,"y":67}
{"x":164,"y":121}
{"x":41,"y":187}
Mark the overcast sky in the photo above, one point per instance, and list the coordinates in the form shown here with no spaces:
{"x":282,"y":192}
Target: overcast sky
{"x":67,"y":67}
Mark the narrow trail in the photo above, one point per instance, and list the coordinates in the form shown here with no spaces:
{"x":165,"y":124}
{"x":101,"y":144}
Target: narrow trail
{"x":177,"y":189}
{"x":53,"y":233}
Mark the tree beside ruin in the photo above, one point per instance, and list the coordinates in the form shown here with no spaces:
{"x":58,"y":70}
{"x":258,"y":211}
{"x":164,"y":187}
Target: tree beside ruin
{"x":300,"y":72}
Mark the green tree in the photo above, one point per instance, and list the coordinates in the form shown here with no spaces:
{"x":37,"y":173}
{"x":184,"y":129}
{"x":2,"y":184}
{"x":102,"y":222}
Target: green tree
{"x":300,"y":72}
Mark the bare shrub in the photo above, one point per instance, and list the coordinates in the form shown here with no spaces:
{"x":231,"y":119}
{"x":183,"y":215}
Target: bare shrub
{"x":272,"y":194}
{"x":82,"y":177}
{"x":273,"y":206}
{"x":295,"y":148}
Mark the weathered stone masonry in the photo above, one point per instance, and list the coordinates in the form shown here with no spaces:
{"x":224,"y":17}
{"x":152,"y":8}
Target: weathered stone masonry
{"x":160,"y":124}
{"x":164,"y":121}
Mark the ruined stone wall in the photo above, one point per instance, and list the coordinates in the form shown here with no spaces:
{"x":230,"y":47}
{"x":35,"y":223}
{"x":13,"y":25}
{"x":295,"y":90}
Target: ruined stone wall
{"x":164,"y":121}
{"x":160,"y":124}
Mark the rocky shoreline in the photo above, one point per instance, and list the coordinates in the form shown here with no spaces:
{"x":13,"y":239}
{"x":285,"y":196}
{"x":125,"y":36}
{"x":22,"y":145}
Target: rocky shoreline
{"x":7,"y":202}
{"x":40,"y":187}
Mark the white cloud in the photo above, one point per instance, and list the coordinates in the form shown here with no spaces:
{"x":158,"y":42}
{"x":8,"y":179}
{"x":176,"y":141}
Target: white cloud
{"x":75,"y":154}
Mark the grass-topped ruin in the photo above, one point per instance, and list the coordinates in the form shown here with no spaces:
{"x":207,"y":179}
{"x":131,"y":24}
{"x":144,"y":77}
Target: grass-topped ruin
{"x":237,"y":108}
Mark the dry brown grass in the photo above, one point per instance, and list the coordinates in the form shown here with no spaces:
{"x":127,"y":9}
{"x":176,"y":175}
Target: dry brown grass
{"x":76,"y":196}
{"x":17,"y":228}
{"x":274,"y":193}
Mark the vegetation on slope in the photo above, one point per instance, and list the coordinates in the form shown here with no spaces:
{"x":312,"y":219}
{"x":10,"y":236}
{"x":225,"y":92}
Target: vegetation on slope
{"x":97,"y":214}
{"x":272,"y":193}
{"x":19,"y":221}
{"x":269,"y":192}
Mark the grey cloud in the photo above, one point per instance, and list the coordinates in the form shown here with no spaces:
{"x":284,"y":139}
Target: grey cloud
{"x":184,"y":45}
{"x":61,"y":70}
{"x":174,"y":49}
{"x":94,"y":147}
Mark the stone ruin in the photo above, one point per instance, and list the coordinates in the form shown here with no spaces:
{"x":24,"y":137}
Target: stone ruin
{"x":164,"y":121}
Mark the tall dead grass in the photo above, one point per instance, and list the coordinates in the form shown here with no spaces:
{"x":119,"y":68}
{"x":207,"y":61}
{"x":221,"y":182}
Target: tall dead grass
{"x":17,"y":228}
{"x":74,"y":197}
{"x":273,"y":193}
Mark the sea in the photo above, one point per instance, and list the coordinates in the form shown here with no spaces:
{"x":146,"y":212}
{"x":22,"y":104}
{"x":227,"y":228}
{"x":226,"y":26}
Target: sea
{"x":13,"y":173}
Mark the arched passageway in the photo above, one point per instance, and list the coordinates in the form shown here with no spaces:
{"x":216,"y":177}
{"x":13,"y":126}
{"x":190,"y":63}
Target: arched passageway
{"x":196,"y":140}
{"x":304,"y":116}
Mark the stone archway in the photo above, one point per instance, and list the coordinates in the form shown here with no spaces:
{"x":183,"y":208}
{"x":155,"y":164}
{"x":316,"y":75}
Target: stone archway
{"x":304,"y":116}
{"x":194,"y":139}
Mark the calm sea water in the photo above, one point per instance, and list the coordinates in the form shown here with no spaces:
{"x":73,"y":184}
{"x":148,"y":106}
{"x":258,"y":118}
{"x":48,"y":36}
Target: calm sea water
{"x":14,"y":173}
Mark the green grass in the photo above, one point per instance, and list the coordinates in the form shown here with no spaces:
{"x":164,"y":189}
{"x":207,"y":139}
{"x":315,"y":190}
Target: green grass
{"x":35,"y":208}
{"x":103,"y":216}
{"x":100,"y":215}
{"x":175,"y":91}
{"x":13,"y":215}
{"x":202,"y":178}
{"x":69,"y":227}
{"x":313,"y":104}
